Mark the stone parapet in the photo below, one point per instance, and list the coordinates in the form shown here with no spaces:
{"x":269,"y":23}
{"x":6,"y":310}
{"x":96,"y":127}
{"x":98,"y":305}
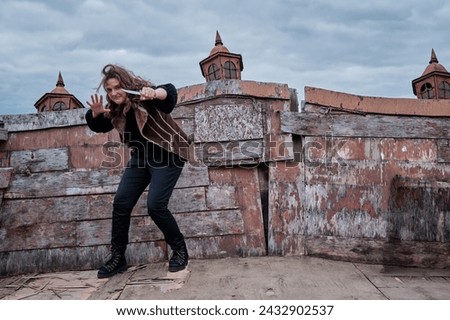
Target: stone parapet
{"x":380,"y":105}
{"x":43,"y":120}
{"x":352,"y":178}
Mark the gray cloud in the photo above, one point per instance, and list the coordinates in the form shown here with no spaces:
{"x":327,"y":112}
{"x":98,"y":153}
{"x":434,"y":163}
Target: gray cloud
{"x":370,"y":48}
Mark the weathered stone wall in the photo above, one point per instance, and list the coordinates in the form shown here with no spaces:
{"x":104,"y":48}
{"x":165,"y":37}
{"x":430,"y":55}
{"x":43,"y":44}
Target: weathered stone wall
{"x":371,"y":186}
{"x":344,"y":179}
{"x":58,"y":180}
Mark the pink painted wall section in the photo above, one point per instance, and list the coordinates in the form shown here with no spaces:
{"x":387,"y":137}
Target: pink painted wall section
{"x":394,"y":106}
{"x":233,"y":87}
{"x":362,"y":193}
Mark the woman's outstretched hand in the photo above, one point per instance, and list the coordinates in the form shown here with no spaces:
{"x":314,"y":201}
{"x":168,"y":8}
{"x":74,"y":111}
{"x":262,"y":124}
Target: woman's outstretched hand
{"x":96,"y":105}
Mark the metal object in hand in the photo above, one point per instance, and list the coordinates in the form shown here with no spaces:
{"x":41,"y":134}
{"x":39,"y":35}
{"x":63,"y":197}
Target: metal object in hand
{"x":132,"y":92}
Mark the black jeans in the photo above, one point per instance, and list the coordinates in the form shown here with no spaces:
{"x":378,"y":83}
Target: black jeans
{"x":137,"y":176}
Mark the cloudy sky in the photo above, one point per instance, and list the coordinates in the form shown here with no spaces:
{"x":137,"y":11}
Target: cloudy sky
{"x":372,"y":48}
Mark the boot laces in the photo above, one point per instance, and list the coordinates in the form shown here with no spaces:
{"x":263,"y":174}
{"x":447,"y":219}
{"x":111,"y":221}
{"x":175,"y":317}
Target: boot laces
{"x":178,"y":257}
{"x":113,"y":262}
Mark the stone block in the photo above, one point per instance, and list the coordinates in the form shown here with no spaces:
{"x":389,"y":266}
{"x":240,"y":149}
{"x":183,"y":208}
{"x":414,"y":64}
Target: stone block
{"x":42,"y":160}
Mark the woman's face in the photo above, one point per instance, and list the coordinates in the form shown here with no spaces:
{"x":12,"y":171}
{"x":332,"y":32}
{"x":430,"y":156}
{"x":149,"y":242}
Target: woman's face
{"x":114,"y":92}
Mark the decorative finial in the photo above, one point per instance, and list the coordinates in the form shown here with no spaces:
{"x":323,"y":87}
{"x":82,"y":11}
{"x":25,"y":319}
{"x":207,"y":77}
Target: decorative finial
{"x":218,"y":39}
{"x":433,"y":57}
{"x":60,"y":81}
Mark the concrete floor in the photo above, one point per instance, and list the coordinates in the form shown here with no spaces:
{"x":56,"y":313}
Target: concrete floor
{"x":254,"y":278}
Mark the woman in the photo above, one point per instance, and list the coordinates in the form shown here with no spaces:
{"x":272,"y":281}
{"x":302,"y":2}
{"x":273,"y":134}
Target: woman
{"x":159,"y":149}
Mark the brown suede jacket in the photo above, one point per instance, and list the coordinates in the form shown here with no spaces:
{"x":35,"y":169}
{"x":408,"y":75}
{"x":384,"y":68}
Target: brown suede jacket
{"x":154,"y":123}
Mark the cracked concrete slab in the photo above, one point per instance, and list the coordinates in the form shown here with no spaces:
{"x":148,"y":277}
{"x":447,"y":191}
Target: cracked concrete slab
{"x":253,"y":278}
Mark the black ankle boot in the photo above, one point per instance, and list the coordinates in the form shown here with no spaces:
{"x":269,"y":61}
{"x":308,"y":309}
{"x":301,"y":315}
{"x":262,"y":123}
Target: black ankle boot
{"x":117,"y":263}
{"x":179,"y":259}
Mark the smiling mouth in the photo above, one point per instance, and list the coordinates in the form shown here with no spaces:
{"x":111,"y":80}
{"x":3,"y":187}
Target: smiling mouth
{"x":118,"y":99}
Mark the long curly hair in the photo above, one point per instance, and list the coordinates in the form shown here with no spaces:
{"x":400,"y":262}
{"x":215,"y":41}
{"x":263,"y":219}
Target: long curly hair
{"x":127,"y":80}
